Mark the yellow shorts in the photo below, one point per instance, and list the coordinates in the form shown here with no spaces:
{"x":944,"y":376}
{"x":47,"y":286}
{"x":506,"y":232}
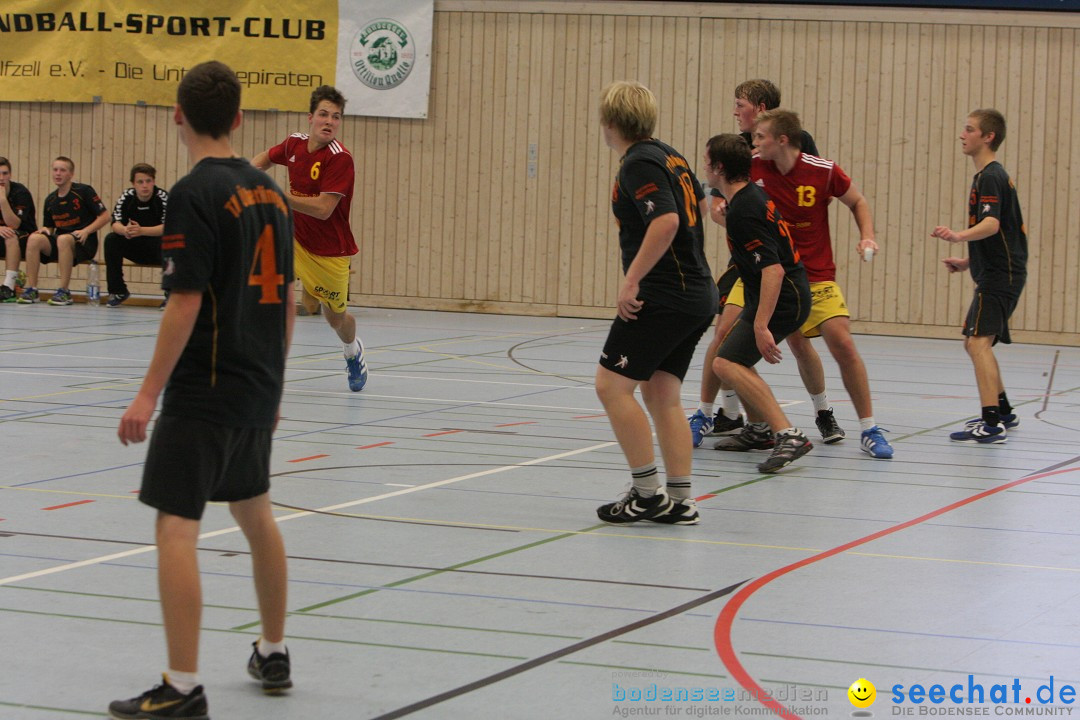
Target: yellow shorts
{"x":325,"y":278}
{"x":827,"y":302}
{"x":737,"y":295}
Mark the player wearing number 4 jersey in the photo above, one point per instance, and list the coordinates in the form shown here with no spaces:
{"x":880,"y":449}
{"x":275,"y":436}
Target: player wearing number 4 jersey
{"x":221,"y":353}
{"x":802,"y":186}
{"x":321,"y":178}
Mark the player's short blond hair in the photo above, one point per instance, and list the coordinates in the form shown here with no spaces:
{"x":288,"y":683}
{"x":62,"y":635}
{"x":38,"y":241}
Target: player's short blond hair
{"x":782,"y":122}
{"x":630,"y":108}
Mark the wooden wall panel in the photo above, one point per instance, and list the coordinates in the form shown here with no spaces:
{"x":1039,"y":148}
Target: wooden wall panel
{"x":499,"y":201}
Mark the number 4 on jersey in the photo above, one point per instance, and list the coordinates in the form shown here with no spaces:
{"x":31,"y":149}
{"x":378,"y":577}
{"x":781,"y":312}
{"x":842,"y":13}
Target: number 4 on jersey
{"x":268,"y":278}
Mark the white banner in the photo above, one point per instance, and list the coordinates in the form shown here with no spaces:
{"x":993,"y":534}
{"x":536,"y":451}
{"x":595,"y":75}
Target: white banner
{"x":384,"y":56}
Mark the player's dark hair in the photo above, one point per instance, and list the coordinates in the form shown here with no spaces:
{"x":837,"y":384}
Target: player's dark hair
{"x":783,"y":122}
{"x":145,"y":169}
{"x":759,"y":92}
{"x":4,"y":162}
{"x":731,"y":154}
{"x":326,"y":92}
{"x":209,"y":97}
{"x":991,"y":121}
{"x":69,"y":161}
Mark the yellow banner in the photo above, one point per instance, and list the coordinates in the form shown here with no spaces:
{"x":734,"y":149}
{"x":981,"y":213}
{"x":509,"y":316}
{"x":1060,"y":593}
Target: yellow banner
{"x":126,"y":52}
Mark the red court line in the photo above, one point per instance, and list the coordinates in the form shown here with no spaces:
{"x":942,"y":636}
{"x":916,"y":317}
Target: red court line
{"x":583,"y":417}
{"x":527,"y":422}
{"x":368,"y":447}
{"x":445,"y":432}
{"x":705,"y":497}
{"x":313,"y":457}
{"x":722,"y":631}
{"x":67,"y":505}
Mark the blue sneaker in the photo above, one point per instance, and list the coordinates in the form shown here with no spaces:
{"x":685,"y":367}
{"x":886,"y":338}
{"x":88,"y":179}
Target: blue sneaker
{"x":61,"y":297}
{"x":1009,"y":420}
{"x":875,"y":445}
{"x":29,"y":295}
{"x":981,"y":433}
{"x":357,"y":368}
{"x":700,"y":426}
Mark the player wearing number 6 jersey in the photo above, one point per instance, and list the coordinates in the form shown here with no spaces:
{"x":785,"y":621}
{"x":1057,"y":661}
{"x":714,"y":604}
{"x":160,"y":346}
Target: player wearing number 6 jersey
{"x":321,"y":179}
{"x":220,"y":358}
{"x":666,"y":302}
{"x":802,"y":186}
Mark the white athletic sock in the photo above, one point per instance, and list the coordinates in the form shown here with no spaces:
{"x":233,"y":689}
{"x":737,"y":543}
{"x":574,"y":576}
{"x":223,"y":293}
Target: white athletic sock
{"x":184,"y":682}
{"x":730,"y":403}
{"x":267,"y":648}
{"x":351,"y":349}
{"x":10,"y":277}
{"x":821,"y":402}
{"x":867,"y":423}
{"x":678,"y":488}
{"x":646,"y":479}
{"x":706,"y":409}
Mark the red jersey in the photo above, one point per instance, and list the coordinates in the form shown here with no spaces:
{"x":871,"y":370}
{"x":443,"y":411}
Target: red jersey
{"x":803,"y":197}
{"x":327,"y":170}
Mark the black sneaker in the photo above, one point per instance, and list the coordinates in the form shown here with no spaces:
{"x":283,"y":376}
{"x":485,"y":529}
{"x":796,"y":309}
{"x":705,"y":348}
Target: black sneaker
{"x":633,"y":507}
{"x":790,"y":446}
{"x":162,"y":702}
{"x":723,"y":425}
{"x":830,"y":430}
{"x":754,"y":436}
{"x":117,"y":299}
{"x":272,"y":672}
{"x":682,"y":512}
{"x":7,"y":295}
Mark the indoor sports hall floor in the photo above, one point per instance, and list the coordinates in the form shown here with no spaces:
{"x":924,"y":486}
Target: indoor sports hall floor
{"x":446,"y":560}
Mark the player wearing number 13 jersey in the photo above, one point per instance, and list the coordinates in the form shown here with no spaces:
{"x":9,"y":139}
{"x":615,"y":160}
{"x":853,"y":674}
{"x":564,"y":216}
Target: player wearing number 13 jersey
{"x":802,"y":186}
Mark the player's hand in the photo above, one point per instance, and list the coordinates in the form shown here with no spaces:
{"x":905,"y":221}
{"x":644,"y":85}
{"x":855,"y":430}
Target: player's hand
{"x":133,"y":424}
{"x":79,"y":235}
{"x":955,"y":264}
{"x":766,"y":345}
{"x":6,"y":232}
{"x":866,"y":243}
{"x":718,"y":210}
{"x":133,"y":229}
{"x":946,"y":234}
{"x":628,"y":304}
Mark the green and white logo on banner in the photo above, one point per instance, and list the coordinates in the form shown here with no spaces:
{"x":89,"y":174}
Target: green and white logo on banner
{"x":382,"y":54}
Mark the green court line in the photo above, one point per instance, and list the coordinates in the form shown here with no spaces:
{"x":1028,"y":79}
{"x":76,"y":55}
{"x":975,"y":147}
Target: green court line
{"x":443,"y":627}
{"x":440,"y":571}
{"x":467,"y":563}
{"x":642,"y":669}
{"x":663,"y":645}
{"x":69,"y":711}
{"x":291,"y":637}
{"x":314,"y":615}
{"x":115,"y":597}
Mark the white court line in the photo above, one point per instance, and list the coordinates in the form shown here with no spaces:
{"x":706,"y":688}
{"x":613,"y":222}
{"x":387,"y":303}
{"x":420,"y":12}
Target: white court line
{"x":305,"y":513}
{"x":76,"y":377}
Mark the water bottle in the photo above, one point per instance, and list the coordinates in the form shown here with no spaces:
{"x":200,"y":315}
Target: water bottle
{"x":93,"y":289}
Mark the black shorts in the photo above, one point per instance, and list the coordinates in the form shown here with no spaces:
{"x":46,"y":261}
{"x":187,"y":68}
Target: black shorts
{"x":725,"y":282}
{"x":660,"y":339}
{"x":84,"y":251}
{"x":191,"y":462}
{"x":989,"y":315}
{"x":740,"y":344}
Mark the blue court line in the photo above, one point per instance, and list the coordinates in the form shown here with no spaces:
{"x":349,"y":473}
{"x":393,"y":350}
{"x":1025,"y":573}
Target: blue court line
{"x":911,"y":632}
{"x":59,"y":408}
{"x":88,"y":472}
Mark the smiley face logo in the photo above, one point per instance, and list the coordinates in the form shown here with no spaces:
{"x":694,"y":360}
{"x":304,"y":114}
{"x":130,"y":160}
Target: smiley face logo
{"x":862,"y":693}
